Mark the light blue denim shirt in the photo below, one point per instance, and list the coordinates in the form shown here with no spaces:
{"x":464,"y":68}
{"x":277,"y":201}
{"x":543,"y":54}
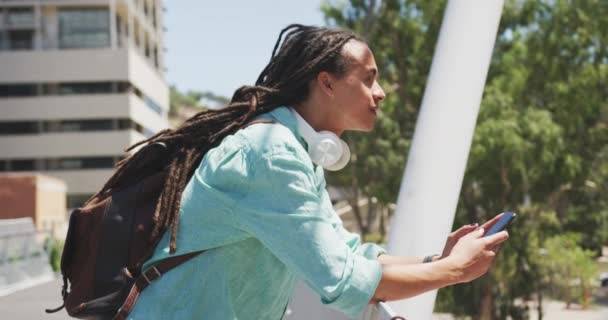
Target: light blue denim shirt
{"x":259,"y":206}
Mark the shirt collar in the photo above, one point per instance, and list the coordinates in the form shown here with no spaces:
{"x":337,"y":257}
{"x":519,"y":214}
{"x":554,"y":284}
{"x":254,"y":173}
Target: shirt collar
{"x":284,"y":116}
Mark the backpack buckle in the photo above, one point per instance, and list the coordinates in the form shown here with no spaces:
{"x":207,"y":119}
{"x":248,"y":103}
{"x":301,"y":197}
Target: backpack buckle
{"x":151,"y":277}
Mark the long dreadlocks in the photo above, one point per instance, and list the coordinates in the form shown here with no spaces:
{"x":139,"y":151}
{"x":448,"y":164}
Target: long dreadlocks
{"x":296,"y":60}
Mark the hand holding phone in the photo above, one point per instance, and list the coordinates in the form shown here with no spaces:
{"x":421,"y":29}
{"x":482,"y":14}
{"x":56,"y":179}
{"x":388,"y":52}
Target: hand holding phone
{"x":504,"y":221}
{"x":475,"y":251}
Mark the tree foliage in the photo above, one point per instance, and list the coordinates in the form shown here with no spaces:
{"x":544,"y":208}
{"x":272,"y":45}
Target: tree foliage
{"x":194,"y":99}
{"x":183,"y":105}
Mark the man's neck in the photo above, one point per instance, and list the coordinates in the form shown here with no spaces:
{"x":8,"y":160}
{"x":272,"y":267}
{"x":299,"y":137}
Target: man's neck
{"x":318,"y":115}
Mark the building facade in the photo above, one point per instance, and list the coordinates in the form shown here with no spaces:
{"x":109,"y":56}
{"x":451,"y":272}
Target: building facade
{"x":80,"y":80}
{"x":36,"y":196}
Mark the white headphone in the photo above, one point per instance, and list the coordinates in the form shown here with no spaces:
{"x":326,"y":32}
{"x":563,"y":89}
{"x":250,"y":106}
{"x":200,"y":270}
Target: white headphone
{"x":324,"y":147}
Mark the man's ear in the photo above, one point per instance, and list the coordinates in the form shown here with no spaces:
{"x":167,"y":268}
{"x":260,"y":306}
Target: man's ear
{"x":324,"y":81}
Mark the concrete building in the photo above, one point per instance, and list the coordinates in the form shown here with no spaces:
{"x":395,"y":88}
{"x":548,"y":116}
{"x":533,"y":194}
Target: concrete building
{"x":80,"y":80}
{"x":36,"y":196}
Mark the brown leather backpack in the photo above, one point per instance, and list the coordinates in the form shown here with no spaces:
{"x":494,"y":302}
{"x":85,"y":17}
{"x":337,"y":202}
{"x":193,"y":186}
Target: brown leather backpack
{"x":109,"y":239}
{"x":107,"y":242}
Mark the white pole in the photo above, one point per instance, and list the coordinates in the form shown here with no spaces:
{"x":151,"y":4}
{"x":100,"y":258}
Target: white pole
{"x":444,"y":129}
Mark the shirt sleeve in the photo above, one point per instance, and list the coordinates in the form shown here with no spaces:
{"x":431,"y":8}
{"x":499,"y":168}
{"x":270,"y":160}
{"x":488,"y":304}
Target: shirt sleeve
{"x":353,"y":240}
{"x":284,"y":211}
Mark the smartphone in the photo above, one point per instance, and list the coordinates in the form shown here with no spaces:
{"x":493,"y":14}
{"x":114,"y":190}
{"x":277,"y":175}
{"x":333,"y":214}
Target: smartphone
{"x":502,"y":223}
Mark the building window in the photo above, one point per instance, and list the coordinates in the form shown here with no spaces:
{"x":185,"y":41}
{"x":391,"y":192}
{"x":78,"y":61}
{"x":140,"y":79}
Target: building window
{"x":18,"y":90}
{"x":20,"y":17}
{"x":80,"y":125}
{"x":145,"y":7}
{"x":66,"y":88}
{"x":147,"y":47}
{"x":3,"y":39}
{"x":69,"y":164}
{"x":156,"y":62}
{"x":99,"y":162}
{"x":136,"y":34}
{"x":19,"y":127}
{"x":148,"y":101}
{"x":84,"y":28}
{"x":98,"y":125}
{"x":154,"y":15}
{"x":87,"y":125}
{"x":80,"y":163}
{"x":21,"y":39}
{"x":77,"y":200}
{"x":153,"y":105}
{"x":120,"y":34}
{"x":126,"y":124}
{"x":55,"y":126}
{"x":85,"y":88}
{"x":123,"y":87}
{"x":23,"y":165}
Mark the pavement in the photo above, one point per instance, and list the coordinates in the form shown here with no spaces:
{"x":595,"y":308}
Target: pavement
{"x":29,"y":304}
{"x":556,"y":310}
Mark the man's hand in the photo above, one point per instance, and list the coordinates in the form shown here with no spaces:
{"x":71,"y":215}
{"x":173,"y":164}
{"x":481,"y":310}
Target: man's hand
{"x":473,"y":253}
{"x":455,"y":236}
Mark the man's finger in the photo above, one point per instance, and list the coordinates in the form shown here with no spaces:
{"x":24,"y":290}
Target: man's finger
{"x":490,"y":254}
{"x":477,"y":233}
{"x":496,"y":239}
{"x":492,"y":221}
{"x":464,"y":230}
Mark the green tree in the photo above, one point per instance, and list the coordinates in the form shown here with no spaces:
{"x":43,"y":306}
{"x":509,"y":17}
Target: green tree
{"x":194,"y":99}
{"x":178,"y":99}
{"x":567,"y":269}
{"x":183,"y":105}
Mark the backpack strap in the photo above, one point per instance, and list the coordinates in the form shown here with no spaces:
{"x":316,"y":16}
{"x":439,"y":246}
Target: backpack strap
{"x":147,"y":277}
{"x":160,"y":268}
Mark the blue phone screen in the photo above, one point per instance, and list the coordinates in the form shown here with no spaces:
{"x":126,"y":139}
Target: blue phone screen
{"x":504,"y":221}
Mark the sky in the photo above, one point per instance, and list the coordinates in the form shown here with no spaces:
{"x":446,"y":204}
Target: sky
{"x":220,"y":45}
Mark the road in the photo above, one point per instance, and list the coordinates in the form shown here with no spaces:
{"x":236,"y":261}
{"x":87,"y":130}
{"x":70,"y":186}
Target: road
{"x":29,"y":304}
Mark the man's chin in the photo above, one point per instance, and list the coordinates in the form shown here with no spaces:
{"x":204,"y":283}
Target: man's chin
{"x":368,"y":128}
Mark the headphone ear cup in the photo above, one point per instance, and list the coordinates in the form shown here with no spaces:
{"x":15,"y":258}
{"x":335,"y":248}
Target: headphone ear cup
{"x":326,"y":149}
{"x":344,"y":158}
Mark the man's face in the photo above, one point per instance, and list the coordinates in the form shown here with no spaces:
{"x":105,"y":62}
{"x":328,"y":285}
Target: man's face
{"x":357,"y":94}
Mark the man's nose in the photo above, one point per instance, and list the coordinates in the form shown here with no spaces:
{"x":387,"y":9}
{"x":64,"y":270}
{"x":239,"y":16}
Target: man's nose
{"x":378,"y":92}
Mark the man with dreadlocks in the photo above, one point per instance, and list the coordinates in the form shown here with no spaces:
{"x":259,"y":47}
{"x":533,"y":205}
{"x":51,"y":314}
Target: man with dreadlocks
{"x":254,"y":196}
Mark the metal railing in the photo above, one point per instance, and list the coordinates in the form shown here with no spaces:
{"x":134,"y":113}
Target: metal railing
{"x":380,"y":311}
{"x":24,"y":257}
